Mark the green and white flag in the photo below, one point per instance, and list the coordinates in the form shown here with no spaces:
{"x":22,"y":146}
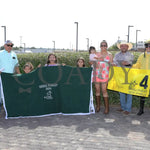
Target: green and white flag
{"x":48,"y":91}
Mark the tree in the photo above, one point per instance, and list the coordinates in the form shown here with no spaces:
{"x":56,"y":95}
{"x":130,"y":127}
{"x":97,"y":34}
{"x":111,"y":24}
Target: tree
{"x":2,"y":47}
{"x":32,"y":47}
{"x":113,"y":47}
{"x":16,"y":48}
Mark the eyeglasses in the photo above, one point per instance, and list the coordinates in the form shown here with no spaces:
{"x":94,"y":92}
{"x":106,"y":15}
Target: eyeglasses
{"x":9,"y":45}
{"x":103,"y":45}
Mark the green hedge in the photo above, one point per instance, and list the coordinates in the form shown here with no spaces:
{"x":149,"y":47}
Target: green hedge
{"x":70,"y":58}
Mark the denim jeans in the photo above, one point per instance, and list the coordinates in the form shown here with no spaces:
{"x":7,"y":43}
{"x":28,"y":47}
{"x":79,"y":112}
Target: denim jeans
{"x":126,"y":101}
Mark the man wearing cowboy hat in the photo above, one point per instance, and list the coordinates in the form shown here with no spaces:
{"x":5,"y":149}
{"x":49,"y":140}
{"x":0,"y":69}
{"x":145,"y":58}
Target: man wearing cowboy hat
{"x":124,"y":59}
{"x":143,"y":62}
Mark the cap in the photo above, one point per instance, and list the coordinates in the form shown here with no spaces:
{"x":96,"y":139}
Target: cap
{"x":8,"y":41}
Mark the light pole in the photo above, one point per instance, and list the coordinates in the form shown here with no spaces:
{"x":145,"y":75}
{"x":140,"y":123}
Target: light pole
{"x":4,"y":33}
{"x":136,"y":37}
{"x":24,"y":46}
{"x":76,"y":36}
{"x":129,"y":32}
{"x":54,"y":45}
{"x":20,"y":41}
{"x":118,"y":39}
{"x":87,"y":44}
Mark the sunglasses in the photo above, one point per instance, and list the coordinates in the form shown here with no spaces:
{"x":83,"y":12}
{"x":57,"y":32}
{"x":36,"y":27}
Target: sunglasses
{"x":9,"y":45}
{"x":103,"y":45}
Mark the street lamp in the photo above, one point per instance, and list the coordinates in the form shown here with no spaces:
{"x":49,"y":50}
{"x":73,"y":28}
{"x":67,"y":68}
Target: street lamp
{"x":76,"y":36}
{"x":24,"y":46}
{"x":4,"y":33}
{"x":87,"y":43}
{"x":129,"y":31}
{"x":20,"y":41}
{"x":136,"y":37}
{"x":54,"y":45}
{"x":118,"y":39}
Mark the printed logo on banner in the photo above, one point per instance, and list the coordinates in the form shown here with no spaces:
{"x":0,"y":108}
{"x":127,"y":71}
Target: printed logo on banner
{"x":48,"y":95}
{"x":48,"y":90}
{"x":132,"y":85}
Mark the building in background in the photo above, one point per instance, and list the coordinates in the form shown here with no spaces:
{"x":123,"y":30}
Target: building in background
{"x":140,"y":45}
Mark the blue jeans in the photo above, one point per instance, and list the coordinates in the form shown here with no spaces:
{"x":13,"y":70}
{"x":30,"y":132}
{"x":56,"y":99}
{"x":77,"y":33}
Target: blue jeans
{"x":125,"y":101}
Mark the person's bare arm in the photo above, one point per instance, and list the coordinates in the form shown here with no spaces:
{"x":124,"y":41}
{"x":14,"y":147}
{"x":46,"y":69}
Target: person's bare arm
{"x":17,"y":70}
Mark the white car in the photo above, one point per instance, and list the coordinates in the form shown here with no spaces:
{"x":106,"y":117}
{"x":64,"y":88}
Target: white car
{"x":28,"y":51}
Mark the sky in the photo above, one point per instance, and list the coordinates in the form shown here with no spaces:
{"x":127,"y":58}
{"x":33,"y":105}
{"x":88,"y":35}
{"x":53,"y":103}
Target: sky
{"x":38,"y":23}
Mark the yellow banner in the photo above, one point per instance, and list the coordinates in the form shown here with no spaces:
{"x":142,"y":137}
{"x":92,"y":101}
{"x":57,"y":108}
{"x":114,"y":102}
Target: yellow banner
{"x":129,"y":81}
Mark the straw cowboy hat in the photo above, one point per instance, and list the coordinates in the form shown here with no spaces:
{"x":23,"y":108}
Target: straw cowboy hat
{"x":129,"y":45}
{"x":147,"y":42}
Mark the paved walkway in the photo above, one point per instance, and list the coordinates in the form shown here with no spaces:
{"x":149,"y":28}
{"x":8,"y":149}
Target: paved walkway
{"x":92,"y":132}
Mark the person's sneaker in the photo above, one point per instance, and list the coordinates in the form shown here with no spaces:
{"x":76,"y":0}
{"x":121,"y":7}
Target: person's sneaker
{"x":126,"y":112}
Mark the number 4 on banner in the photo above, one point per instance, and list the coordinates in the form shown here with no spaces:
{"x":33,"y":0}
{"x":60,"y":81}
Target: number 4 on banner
{"x":143,"y":83}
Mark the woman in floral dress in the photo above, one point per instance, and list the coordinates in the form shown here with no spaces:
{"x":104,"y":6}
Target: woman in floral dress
{"x":101,"y":75}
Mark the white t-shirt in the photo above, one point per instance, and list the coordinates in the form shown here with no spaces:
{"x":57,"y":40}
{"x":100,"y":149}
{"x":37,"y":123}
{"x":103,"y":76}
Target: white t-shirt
{"x":91,"y":57}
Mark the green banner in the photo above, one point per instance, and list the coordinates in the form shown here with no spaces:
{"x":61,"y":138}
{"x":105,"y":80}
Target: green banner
{"x":47,"y":91}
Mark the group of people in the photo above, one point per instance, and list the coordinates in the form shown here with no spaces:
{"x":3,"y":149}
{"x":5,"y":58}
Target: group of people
{"x":99,"y":61}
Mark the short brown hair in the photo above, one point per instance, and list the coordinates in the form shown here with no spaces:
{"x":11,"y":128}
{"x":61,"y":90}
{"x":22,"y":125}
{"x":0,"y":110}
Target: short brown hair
{"x":91,"y":47}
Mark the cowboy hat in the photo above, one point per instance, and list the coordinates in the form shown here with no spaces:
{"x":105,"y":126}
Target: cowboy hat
{"x":147,"y":43}
{"x":129,"y":45}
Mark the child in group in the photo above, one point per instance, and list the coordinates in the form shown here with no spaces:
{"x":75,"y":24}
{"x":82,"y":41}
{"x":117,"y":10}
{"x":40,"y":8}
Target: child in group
{"x":92,"y":57}
{"x":80,"y":62}
{"x":52,"y":60}
{"x":92,"y":52}
{"x":28,"y":67}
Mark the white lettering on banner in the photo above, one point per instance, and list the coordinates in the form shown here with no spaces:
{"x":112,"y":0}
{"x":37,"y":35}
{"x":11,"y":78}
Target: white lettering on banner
{"x":43,"y":86}
{"x":47,"y":85}
{"x":48,"y":88}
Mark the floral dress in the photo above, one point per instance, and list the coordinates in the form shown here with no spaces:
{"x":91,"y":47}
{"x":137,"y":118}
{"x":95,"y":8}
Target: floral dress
{"x":101,"y":69}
